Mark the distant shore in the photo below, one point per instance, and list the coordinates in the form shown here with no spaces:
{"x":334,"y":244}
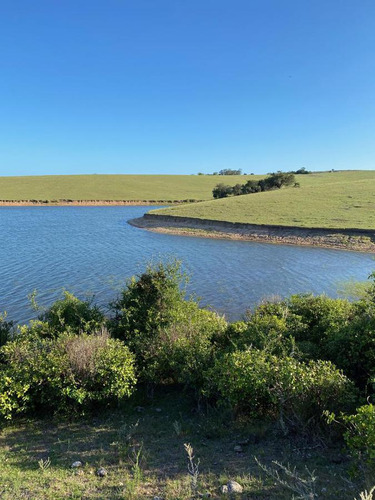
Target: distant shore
{"x":86,"y":203}
{"x":340,"y":239}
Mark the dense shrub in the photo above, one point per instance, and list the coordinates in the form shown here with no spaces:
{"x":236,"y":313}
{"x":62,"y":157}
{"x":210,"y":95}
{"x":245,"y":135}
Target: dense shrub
{"x":71,"y":314}
{"x":360,"y":435}
{"x":320,"y":317}
{"x":183,"y":351}
{"x":353,"y":349}
{"x":258,"y":384}
{"x":148,"y":302}
{"x":270,"y":327}
{"x":173,"y":338}
{"x":71,"y":372}
{"x":222,"y":191}
{"x":14,"y":396}
{"x":273,"y":181}
{"x":336,"y":330}
{"x":6,"y":329}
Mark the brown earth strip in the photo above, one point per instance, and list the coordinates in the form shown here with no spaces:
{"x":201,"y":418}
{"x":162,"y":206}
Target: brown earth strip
{"x":342,"y":239}
{"x":87,"y":203}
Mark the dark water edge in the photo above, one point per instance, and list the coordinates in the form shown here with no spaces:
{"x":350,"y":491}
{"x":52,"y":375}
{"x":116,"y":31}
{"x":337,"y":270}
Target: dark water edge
{"x":93,"y":250}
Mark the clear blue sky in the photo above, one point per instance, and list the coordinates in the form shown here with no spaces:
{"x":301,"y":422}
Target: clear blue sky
{"x":172,"y":86}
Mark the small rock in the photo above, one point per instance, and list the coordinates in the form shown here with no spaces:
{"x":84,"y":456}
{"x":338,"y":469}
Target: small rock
{"x":234,"y":487}
{"x":158,"y":410}
{"x":101,"y":472}
{"x":158,"y":498}
{"x":139,"y":409}
{"x":238,"y":449}
{"x":231,"y":487}
{"x":77,"y":464}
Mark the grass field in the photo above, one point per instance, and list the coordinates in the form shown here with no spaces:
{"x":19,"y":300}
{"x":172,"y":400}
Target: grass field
{"x":113,"y":187}
{"x":148,"y":459}
{"x":343,"y":199}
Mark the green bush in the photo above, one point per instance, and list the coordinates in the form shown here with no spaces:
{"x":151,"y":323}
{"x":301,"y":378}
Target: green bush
{"x":170,"y":336}
{"x":319,"y":318}
{"x":360,"y":435}
{"x":182,"y":351}
{"x":71,"y":372}
{"x":6,"y":329}
{"x":269,"y":328}
{"x":353,"y":349}
{"x":14,"y":397}
{"x":149,"y":302}
{"x":259,"y":384}
{"x":70,"y":314}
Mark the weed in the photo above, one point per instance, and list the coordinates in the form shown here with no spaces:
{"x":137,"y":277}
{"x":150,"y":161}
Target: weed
{"x":367,"y":495}
{"x":193,"y":469}
{"x":44,"y":464}
{"x":303,"y":487}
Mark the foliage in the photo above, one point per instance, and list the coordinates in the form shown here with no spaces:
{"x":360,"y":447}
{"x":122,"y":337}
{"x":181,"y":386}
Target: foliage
{"x":273,"y":181}
{"x":301,"y":170}
{"x":71,"y":314}
{"x":14,"y":397}
{"x":360,"y":433}
{"x":257,"y":384}
{"x":6,"y":329}
{"x":183,"y":351}
{"x":337,"y":330}
{"x":71,"y":372}
{"x":170,"y":336}
{"x":149,"y":302}
{"x":221,"y":190}
{"x":230,"y":171}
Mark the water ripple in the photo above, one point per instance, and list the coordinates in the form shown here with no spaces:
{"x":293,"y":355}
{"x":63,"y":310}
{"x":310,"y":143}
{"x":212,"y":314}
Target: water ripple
{"x":93,"y":249}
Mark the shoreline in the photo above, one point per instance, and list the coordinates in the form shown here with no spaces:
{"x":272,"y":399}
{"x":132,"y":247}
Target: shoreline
{"x":338,"y":239}
{"x":88,"y":203}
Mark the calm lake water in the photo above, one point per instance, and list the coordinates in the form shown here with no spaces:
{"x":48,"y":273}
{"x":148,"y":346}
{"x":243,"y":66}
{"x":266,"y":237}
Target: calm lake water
{"x":92,"y":250}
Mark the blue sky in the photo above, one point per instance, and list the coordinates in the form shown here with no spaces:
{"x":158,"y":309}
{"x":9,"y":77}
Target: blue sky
{"x":179,"y":87}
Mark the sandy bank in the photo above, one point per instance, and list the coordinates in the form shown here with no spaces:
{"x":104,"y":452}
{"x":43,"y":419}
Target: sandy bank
{"x":343,"y":239}
{"x":83,"y":203}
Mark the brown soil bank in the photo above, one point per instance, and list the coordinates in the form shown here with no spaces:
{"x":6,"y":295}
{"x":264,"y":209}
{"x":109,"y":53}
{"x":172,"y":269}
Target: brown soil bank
{"x":96,"y":203}
{"x":344,"y":239}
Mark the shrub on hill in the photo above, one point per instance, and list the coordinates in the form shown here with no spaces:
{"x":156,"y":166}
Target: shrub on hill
{"x":273,"y":181}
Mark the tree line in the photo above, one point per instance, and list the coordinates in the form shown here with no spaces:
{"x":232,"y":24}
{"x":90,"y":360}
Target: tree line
{"x":273,"y":181}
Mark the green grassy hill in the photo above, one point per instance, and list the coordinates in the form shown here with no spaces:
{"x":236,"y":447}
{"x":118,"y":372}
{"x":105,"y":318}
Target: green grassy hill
{"x":331,"y":199}
{"x":113,"y":187}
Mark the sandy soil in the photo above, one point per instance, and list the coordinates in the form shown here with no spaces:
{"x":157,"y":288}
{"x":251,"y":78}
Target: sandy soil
{"x":83,"y":203}
{"x":348,"y":239}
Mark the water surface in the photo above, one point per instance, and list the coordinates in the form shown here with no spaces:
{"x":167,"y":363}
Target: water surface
{"x":93,"y":250}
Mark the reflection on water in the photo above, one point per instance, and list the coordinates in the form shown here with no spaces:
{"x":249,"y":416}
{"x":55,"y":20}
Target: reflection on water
{"x":93,"y":250}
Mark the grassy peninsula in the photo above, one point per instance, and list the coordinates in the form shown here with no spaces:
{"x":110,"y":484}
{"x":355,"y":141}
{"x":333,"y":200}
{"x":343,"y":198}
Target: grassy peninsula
{"x":344,"y":199}
{"x":111,"y":188}
{"x":326,"y":209}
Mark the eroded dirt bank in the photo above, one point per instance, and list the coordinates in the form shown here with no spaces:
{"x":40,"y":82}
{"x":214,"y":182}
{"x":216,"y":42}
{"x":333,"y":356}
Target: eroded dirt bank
{"x":343,"y":239}
{"x":85,"y":203}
